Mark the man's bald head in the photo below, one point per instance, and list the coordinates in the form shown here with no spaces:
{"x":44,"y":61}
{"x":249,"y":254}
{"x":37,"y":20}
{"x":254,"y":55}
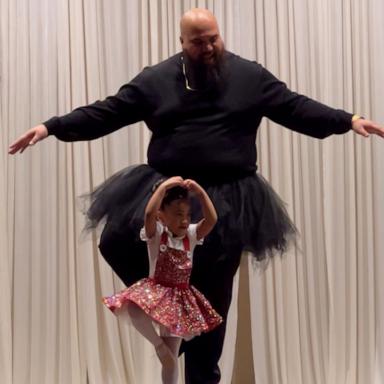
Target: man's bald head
{"x":197,"y":20}
{"x":200,"y":37}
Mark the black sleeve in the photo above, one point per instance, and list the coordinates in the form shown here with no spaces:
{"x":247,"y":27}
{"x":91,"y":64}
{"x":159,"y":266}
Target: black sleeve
{"x":128,"y":106}
{"x":300,"y":113}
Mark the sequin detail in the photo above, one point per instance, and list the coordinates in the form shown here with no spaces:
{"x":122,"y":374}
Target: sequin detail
{"x":168,"y":298}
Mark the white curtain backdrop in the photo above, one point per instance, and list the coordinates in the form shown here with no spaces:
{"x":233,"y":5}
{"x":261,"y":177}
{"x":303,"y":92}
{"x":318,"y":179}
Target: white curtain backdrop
{"x":314,"y":317}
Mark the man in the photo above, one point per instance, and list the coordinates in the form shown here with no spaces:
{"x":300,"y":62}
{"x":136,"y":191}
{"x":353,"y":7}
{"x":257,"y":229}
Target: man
{"x":203,"y":107}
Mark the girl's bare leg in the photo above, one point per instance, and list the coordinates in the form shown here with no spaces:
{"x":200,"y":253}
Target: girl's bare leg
{"x":171,"y":376}
{"x":143,"y":323}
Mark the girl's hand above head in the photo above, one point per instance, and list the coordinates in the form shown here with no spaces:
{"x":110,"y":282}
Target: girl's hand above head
{"x":192,"y":185}
{"x":154,"y":203}
{"x":173,"y":182}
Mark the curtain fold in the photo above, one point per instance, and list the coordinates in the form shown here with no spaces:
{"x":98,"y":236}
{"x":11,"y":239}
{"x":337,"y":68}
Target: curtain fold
{"x":317,"y":315}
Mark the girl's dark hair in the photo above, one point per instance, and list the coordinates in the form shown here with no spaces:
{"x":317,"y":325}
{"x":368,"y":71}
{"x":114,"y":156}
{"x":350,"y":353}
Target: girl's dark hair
{"x":172,"y":194}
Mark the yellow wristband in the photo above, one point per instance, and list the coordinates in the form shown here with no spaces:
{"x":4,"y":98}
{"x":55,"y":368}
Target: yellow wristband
{"x":356,"y":117}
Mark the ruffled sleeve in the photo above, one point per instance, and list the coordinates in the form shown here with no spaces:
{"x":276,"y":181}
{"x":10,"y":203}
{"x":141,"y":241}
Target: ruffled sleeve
{"x":159,"y":231}
{"x":192,"y":236}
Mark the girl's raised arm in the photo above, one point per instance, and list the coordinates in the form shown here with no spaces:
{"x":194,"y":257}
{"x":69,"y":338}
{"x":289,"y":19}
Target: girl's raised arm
{"x":206,"y":224}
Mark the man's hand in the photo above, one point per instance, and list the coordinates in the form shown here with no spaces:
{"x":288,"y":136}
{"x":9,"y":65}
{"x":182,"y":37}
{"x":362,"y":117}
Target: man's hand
{"x":365,"y":127}
{"x":31,"y":137}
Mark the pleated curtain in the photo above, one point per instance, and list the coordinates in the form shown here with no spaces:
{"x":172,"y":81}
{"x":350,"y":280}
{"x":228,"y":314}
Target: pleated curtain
{"x":315,"y":316}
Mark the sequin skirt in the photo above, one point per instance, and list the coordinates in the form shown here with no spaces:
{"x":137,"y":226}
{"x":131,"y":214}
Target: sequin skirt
{"x":182,"y":310}
{"x":250,"y":213}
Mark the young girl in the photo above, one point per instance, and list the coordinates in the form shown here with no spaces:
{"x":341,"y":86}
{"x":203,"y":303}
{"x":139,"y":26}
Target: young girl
{"x":166,"y":296}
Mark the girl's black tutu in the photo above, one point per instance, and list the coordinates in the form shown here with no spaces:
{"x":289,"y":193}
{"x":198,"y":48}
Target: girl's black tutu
{"x":249,"y":211}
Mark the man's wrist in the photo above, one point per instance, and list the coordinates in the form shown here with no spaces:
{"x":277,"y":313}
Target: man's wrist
{"x":356,"y":117}
{"x":52,"y":125}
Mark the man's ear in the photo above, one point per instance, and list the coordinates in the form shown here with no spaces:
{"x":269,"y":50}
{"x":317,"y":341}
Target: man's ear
{"x":181,"y":40}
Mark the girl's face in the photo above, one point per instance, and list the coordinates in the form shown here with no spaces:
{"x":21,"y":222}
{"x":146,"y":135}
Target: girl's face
{"x":176,"y":216}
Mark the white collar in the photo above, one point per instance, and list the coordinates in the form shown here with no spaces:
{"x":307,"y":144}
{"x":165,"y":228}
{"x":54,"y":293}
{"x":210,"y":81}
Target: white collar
{"x":170,"y":234}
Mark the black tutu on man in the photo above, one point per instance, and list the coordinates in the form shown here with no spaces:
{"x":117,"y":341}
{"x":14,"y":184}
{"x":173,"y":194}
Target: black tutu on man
{"x":249,"y":212}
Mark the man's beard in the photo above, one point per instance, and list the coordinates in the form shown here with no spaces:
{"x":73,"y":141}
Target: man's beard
{"x":204,"y":74}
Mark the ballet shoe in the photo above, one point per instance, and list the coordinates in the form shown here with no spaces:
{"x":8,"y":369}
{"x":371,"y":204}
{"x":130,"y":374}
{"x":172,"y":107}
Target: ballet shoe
{"x":165,"y":355}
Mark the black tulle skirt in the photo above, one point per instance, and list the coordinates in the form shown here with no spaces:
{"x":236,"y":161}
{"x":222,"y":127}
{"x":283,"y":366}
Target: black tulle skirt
{"x":249,"y":212}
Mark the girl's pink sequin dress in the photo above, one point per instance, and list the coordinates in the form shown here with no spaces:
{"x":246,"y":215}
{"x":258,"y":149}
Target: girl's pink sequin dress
{"x":168,"y":298}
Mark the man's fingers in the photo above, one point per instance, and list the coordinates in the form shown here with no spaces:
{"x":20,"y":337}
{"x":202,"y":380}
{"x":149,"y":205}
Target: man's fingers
{"x":378,"y":130}
{"x":359,"y":129}
{"x":16,"y":144}
{"x":31,"y":137}
{"x":23,"y":148}
{"x":364,"y":132}
{"x":15,"y":147}
{"x":22,"y":143}
{"x":34,"y":140}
